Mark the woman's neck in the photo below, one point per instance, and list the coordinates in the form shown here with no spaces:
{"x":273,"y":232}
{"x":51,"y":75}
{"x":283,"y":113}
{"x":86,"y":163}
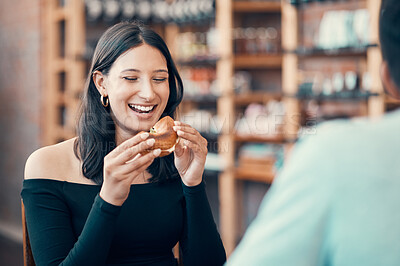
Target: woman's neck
{"x":121,"y":135}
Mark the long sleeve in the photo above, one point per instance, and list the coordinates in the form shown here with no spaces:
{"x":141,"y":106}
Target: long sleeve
{"x":51,"y":234}
{"x":201,"y":243}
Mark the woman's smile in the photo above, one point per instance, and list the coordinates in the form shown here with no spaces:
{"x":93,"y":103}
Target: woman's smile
{"x":143,"y":111}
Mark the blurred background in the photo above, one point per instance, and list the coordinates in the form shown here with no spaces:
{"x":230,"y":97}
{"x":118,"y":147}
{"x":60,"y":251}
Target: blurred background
{"x":257,"y":74}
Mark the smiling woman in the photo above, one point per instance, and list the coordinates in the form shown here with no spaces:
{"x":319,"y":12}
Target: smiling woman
{"x":102,"y":198}
{"x":132,"y":70}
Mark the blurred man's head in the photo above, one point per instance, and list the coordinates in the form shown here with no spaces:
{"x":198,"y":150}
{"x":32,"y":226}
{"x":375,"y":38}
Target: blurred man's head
{"x":389,"y":34}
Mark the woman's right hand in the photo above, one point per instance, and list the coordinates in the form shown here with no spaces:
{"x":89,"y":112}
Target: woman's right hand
{"x":123,"y":164}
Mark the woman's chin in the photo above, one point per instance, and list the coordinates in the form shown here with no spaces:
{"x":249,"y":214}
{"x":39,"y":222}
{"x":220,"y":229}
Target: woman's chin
{"x":142,"y":124}
{"x":131,"y":125}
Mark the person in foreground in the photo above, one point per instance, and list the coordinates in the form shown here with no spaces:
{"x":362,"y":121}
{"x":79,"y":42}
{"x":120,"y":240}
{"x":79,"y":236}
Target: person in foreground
{"x":99,"y":198}
{"x":337,"y":200}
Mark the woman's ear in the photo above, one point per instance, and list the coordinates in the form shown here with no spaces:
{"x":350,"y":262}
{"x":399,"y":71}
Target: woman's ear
{"x":99,"y":80}
{"x":388,"y":82}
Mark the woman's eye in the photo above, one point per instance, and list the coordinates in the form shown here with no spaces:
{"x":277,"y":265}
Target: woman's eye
{"x":130,"y":79}
{"x":160,"y":79}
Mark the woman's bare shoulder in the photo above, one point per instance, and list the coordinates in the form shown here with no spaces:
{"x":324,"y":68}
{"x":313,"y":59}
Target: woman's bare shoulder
{"x":52,"y":162}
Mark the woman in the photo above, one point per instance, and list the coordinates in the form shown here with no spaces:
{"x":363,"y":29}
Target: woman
{"x":94,"y":199}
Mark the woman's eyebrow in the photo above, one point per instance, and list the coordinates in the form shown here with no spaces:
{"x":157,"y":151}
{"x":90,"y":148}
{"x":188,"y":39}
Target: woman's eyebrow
{"x":130,"y":70}
{"x":161,"y":70}
{"x":137,"y":70}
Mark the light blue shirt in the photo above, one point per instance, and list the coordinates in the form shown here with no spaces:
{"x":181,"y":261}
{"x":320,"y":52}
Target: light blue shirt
{"x":336,"y":201}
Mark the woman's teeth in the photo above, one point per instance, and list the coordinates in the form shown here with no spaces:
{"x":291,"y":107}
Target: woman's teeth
{"x":141,"y":109}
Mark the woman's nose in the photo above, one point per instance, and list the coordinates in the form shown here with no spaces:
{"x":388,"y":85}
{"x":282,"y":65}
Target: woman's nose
{"x":146,"y":91}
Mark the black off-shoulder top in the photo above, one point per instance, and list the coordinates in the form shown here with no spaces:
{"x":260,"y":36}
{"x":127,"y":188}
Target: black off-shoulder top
{"x":69,"y":224}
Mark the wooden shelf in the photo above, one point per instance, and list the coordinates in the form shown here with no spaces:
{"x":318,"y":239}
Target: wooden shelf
{"x":340,"y":52}
{"x":59,"y":14}
{"x":207,"y":99}
{"x":329,"y":5}
{"x":279,"y":139}
{"x":257,"y":6}
{"x":254,"y":175}
{"x":199,"y":61}
{"x":345,"y":96}
{"x":246,"y":99}
{"x":258,"y":61}
{"x":392,"y":101}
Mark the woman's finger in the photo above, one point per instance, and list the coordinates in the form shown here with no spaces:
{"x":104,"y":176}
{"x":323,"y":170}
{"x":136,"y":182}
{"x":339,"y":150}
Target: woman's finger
{"x":180,"y":147}
{"x":140,"y":162}
{"x":185,"y":127}
{"x":130,"y":153}
{"x":142,"y":168}
{"x":197,"y":147}
{"x":194,"y":147}
{"x":195,"y":138}
{"x":127,"y":144}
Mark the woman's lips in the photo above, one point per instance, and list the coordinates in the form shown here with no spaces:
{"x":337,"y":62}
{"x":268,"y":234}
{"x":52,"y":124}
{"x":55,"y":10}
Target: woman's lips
{"x":143,"y":111}
{"x":142,"y":108}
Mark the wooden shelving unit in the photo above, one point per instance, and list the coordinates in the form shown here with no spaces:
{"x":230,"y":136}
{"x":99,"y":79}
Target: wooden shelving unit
{"x":343,"y":52}
{"x":249,"y":174}
{"x":391,"y":103}
{"x":288,"y":62}
{"x":258,"y":61}
{"x":279,"y":139}
{"x":290,"y":69}
{"x":230,"y":186}
{"x":201,"y":99}
{"x":256,"y":6}
{"x":246,"y":99}
{"x":391,"y":100}
{"x":376,"y":105}
{"x":64,"y":71}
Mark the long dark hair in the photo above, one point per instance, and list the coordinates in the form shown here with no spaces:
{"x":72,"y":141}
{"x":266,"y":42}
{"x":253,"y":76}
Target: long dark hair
{"x":96,"y":129}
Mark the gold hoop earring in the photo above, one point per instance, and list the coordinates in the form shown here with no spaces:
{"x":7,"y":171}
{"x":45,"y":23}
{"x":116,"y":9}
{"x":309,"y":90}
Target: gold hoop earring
{"x":105,"y":104}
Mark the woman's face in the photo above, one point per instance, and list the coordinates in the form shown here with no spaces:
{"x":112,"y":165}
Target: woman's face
{"x":138,"y":89}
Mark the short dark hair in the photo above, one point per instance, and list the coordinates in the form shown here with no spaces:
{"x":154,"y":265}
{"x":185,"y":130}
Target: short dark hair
{"x":389,"y":35}
{"x":96,"y":129}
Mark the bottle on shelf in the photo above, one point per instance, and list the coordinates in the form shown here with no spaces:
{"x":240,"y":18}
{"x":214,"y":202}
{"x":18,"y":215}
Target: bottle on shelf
{"x":199,"y":82}
{"x":339,"y":86}
{"x":128,"y":9}
{"x":197,"y":46}
{"x":251,"y":40}
{"x":144,"y":11}
{"x":160,"y":11}
{"x":342,"y":29}
{"x":94,"y":10}
{"x":111,"y":10}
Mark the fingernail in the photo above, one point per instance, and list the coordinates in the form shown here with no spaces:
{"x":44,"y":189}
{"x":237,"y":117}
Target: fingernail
{"x":144,"y":135}
{"x":177,"y":123}
{"x":150,"y":141}
{"x":175,"y":128}
{"x":156,"y":152}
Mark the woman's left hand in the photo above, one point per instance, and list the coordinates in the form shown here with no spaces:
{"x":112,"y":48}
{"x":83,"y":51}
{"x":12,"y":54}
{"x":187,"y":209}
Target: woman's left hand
{"x":190,"y":154}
